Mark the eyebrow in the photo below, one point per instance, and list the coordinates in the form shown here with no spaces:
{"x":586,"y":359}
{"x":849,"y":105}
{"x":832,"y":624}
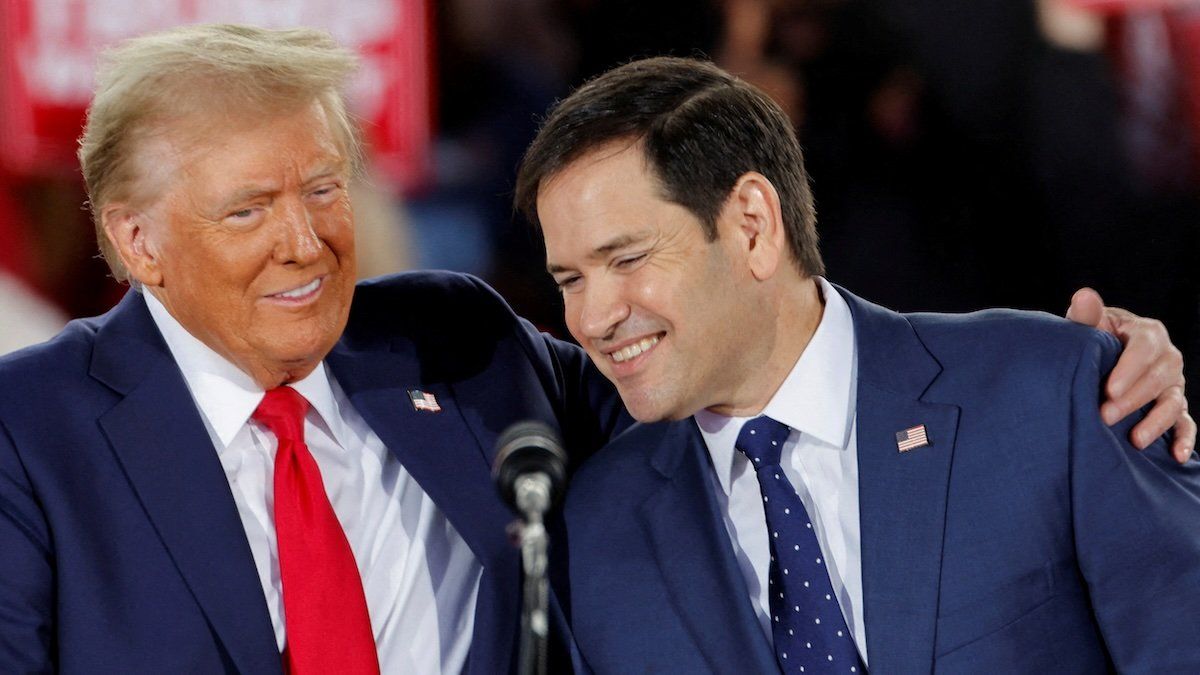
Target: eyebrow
{"x":244,"y":195}
{"x":256,"y":191}
{"x":326,"y":171}
{"x":615,"y":244}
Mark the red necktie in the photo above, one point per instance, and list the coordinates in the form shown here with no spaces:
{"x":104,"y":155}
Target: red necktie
{"x":324,"y":609}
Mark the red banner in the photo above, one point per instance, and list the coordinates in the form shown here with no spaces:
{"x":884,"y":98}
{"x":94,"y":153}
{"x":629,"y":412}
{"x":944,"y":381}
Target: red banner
{"x":48,"y":51}
{"x":1125,"y":6}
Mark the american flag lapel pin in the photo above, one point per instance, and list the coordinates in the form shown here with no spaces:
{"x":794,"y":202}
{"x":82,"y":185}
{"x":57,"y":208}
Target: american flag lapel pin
{"x":912,"y":438}
{"x":423,"y":401}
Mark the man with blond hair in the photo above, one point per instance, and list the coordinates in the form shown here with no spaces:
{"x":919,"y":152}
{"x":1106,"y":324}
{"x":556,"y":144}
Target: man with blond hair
{"x":233,"y":470}
{"x":250,"y":464}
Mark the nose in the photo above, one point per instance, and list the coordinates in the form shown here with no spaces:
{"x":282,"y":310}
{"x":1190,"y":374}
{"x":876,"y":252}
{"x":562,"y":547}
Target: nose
{"x":601,"y":309}
{"x":298,"y":240}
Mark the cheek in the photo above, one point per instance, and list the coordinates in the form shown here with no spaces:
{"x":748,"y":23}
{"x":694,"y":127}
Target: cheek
{"x":655,"y":295}
{"x":196,"y":263}
{"x":571,"y":316}
{"x":239,"y":274}
{"x":225,"y":270}
{"x":336,"y":230}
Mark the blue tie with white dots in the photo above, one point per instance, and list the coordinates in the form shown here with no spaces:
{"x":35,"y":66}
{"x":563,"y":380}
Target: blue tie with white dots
{"x":806,"y":621}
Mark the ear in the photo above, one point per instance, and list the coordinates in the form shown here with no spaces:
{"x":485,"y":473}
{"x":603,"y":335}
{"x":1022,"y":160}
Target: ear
{"x":126,"y":229}
{"x":755,"y":221}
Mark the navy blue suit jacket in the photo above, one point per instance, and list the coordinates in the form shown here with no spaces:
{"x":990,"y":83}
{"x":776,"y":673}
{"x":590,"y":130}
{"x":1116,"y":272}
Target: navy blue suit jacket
{"x":1028,"y":537}
{"x":121,"y":549}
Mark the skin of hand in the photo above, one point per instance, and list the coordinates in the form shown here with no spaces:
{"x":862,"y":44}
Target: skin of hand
{"x":1150,"y":369}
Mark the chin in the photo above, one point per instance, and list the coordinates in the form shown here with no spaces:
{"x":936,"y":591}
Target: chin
{"x":296,"y":353}
{"x":645,"y":408}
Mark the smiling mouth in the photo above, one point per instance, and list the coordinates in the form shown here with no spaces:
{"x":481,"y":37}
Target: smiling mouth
{"x":301,"y":292}
{"x":634,"y":350}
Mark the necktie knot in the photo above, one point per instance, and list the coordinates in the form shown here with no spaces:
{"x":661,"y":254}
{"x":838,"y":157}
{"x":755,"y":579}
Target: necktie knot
{"x":761,"y":439}
{"x":282,"y":411}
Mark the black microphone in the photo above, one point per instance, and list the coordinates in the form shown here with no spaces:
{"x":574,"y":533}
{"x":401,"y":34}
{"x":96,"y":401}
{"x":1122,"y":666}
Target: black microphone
{"x":530,"y":469}
{"x":531,"y":472}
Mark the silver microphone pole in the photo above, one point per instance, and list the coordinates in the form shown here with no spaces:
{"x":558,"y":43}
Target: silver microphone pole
{"x":530,"y":472}
{"x":533,"y":499}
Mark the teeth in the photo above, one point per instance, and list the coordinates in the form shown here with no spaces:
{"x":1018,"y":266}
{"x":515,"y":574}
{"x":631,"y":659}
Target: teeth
{"x":633,"y":350}
{"x":302,"y":291}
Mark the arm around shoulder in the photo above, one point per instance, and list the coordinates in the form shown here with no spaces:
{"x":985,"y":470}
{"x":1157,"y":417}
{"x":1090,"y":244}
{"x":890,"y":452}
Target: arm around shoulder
{"x":472,"y":318}
{"x":1136,"y":516}
{"x":590,"y":412}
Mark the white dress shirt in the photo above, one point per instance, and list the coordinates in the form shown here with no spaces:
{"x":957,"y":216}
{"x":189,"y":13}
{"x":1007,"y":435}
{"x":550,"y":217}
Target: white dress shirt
{"x":820,"y":458}
{"x":419,"y":576}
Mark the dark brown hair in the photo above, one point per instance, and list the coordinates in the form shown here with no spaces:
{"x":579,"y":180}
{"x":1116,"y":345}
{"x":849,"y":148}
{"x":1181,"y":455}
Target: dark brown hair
{"x":701,"y":129}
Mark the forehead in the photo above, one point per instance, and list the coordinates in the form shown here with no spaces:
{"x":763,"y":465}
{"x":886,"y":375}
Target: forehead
{"x":305,"y":129}
{"x":216,"y":151}
{"x":599,"y":168}
{"x":603,"y":193}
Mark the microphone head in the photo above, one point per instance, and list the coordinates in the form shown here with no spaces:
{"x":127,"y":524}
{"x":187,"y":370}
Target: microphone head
{"x":526,"y":448}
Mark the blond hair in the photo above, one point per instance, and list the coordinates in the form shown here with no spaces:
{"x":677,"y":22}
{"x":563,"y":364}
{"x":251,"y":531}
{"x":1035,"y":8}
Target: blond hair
{"x":149,"y":83}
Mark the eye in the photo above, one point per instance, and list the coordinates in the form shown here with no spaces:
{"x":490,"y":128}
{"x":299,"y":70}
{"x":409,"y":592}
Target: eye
{"x":326,"y":194}
{"x":245,"y":215}
{"x":568,"y":284}
{"x":630,"y":261}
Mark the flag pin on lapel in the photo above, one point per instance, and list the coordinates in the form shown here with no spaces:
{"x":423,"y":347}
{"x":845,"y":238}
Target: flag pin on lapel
{"x":423,"y":401}
{"x":911,"y":438}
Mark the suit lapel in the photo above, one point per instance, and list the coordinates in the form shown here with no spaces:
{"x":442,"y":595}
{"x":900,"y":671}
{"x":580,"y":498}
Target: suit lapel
{"x":902,"y":496}
{"x":443,"y":454}
{"x":687,"y":534}
{"x":160,"y":440}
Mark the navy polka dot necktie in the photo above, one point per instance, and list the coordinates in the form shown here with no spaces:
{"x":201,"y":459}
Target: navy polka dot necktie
{"x":806,"y":621}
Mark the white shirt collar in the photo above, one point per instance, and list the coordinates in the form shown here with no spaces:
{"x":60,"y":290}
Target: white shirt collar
{"x":817,"y":397}
{"x":227,"y":396}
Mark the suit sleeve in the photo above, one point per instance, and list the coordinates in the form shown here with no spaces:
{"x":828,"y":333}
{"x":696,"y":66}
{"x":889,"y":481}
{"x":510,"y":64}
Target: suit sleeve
{"x":586,"y":404}
{"x":26,"y":571}
{"x":1136,"y":518}
{"x":590,"y":410}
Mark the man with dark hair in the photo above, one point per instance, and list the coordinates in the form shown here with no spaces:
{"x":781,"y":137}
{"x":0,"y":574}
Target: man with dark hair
{"x":818,"y":484}
{"x":701,"y":129}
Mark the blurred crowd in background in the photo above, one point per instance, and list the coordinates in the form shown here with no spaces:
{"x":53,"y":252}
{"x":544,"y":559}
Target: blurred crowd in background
{"x":964,"y":154}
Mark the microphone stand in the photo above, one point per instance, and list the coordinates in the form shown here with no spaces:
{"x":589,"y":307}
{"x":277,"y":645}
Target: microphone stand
{"x":533,"y":499}
{"x":530,"y":468}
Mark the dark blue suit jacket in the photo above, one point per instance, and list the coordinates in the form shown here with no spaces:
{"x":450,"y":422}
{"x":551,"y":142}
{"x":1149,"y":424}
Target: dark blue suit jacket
{"x":121,"y":549}
{"x":1028,"y":537}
